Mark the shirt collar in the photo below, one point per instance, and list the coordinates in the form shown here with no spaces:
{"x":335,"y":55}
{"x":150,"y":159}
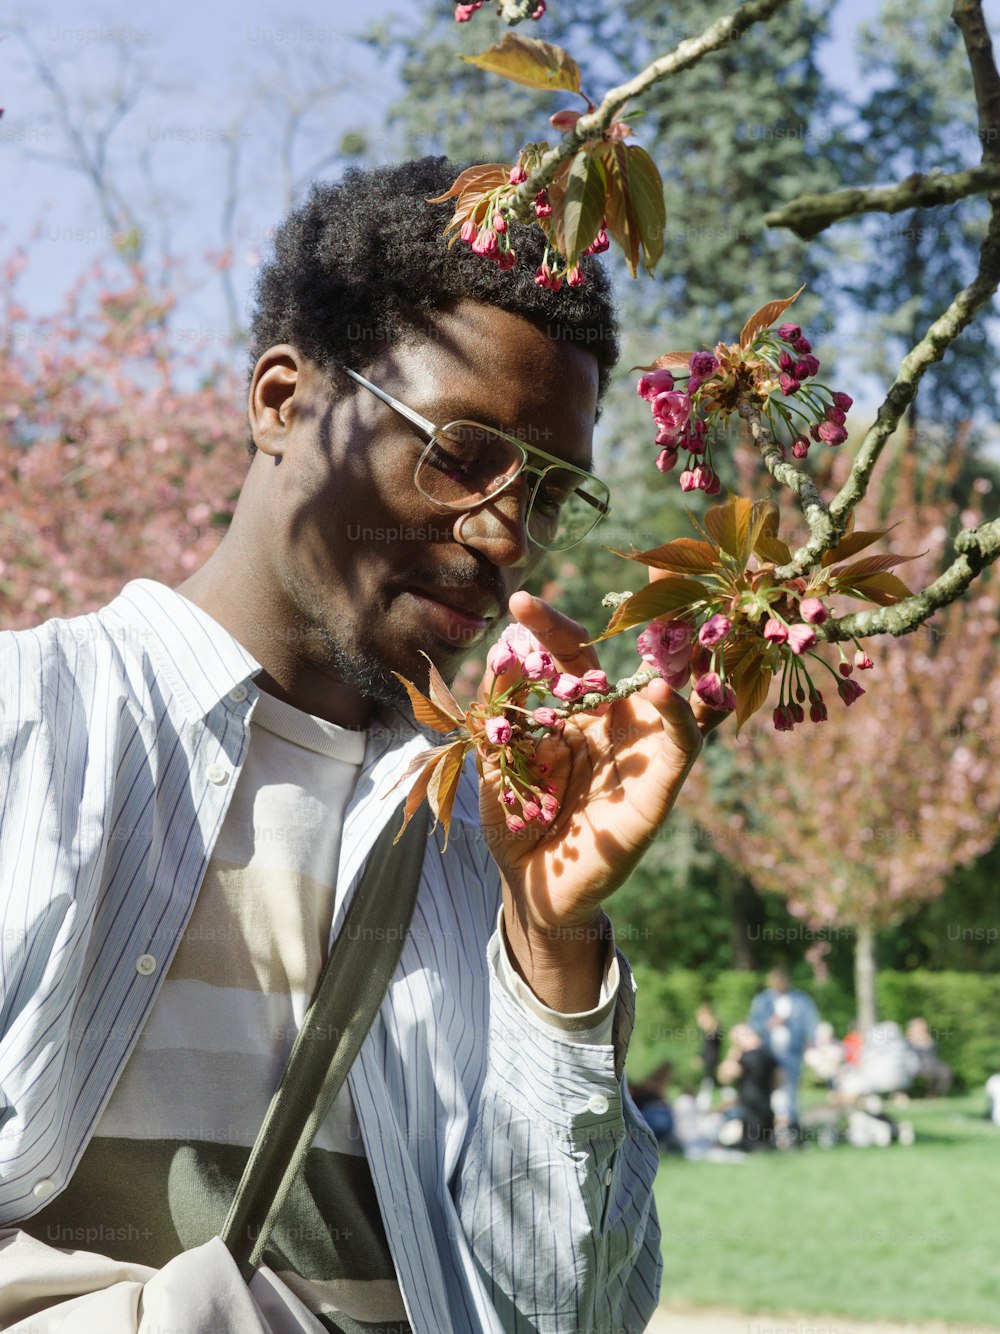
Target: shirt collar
{"x":198,"y":658}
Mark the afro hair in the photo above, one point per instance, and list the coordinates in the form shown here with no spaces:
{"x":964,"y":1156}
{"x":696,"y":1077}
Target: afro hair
{"x":364,"y":261}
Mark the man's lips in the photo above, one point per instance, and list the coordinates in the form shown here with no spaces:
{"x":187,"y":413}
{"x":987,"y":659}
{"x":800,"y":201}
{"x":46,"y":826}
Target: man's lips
{"x":458,"y":612}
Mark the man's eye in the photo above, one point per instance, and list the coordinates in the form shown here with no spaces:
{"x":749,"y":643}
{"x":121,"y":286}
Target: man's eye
{"x":554,"y":491}
{"x":451,"y":458}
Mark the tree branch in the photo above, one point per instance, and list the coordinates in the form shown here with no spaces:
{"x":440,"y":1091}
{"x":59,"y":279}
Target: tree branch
{"x":977,"y":548}
{"x":592,"y":126}
{"x":809,"y":215}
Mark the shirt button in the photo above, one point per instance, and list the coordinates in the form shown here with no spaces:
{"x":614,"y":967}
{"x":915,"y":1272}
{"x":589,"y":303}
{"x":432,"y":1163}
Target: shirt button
{"x":609,"y":1176}
{"x":217,"y":773}
{"x":145,"y":964}
{"x":598,"y":1104}
{"x":238,"y":694}
{"x":43,"y":1189}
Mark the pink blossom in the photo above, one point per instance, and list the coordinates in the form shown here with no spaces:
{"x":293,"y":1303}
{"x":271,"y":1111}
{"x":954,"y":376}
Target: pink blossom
{"x":806,"y":366}
{"x":538,"y":11}
{"x":517,"y":175}
{"x":485,"y":243}
{"x":800,"y":447}
{"x":785,"y":362}
{"x":550,"y":809}
{"x":849,"y":691}
{"x":531,"y":810}
{"x":539,"y":666}
{"x":543,"y":209}
{"x":687,"y":481}
{"x":499,"y":223}
{"x":509,"y":798}
{"x":666,"y":645}
{"x":501,"y":657}
{"x":813,"y":611}
{"x":469,"y":231}
{"x":575,"y":276}
{"x":845,"y":668}
{"x":843,"y":401}
{"x":831,"y":433}
{"x":568,"y":687}
{"x":506,"y":259}
{"x":711,"y":482}
{"x":782,"y":719}
{"x":798,"y":716}
{"x":715,"y":692}
{"x":546,"y":717}
{"x":788,"y":333}
{"x":789,"y":384}
{"x":465,"y":12}
{"x":671,"y":412}
{"x":801,"y":345}
{"x":597,"y":681}
{"x":666,"y":459}
{"x":599,"y":244}
{"x":703,"y":364}
{"x":515,"y":824}
{"x":862,"y":661}
{"x":835,"y":414}
{"x":774,"y":631}
{"x":817,"y":710}
{"x":653,"y":383}
{"x":544,"y":277}
{"x":714,"y":630}
{"x":800,"y":638}
{"x":498,"y":730}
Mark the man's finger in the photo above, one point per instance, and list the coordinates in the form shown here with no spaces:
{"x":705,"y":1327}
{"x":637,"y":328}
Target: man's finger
{"x":562,"y":636}
{"x":707,"y":718}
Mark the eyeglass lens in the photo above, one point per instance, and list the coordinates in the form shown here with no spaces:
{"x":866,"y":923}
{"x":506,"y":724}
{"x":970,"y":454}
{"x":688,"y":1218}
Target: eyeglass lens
{"x":469,"y":463}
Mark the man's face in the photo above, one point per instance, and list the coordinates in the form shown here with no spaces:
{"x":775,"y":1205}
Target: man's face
{"x":371,"y":569}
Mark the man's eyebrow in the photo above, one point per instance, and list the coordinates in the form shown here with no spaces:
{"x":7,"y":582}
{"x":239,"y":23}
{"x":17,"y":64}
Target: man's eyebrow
{"x":449,"y":414}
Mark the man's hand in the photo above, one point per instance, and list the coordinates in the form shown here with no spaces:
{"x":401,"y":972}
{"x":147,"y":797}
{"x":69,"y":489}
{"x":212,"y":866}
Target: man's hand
{"x":617,"y":774}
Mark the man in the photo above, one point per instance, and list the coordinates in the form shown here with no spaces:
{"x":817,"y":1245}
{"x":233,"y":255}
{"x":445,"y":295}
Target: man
{"x":786,"y":1020}
{"x":194,"y":777}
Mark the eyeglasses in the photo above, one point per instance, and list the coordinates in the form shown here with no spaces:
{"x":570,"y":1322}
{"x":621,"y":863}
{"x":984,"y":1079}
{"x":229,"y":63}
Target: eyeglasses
{"x":466,"y":464}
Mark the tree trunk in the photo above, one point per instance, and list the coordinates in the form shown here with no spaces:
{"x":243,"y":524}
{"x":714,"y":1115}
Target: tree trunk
{"x":864,"y":975}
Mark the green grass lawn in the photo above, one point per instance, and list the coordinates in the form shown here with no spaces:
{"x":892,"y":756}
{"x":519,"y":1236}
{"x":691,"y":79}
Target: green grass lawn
{"x":898,"y":1233}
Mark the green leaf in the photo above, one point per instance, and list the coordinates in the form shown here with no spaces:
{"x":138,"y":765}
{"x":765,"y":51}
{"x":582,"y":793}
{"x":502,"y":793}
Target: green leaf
{"x":659,"y":598}
{"x":529,"y":61}
{"x":649,"y":210}
{"x":622,"y":224}
{"x":583,"y":206}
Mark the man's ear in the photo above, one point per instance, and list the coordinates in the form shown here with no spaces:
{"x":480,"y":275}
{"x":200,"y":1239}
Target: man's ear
{"x":271,"y":403}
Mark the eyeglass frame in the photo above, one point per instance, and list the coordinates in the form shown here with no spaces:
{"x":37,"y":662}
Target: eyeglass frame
{"x":433,"y":430}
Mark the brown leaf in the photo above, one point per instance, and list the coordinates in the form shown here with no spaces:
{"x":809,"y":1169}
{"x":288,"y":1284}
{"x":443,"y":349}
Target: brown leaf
{"x":773,"y":549}
{"x":530,"y":61}
{"x":667,"y":361}
{"x":444,"y":783}
{"x":751,"y":687}
{"x":685,"y":555}
{"x":427,"y":712}
{"x":656,"y":599}
{"x":729,"y":524}
{"x":851,"y":544}
{"x":487,"y":176}
{"x":431,"y":760}
{"x":620,"y":217}
{"x":870,"y":565}
{"x":763,"y":319}
{"x":646,"y":194}
{"x":440,"y":695}
{"x":882,"y":589}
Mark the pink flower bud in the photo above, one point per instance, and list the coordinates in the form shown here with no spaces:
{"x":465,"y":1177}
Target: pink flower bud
{"x":806,"y":366}
{"x":469,"y":231}
{"x":538,"y":665}
{"x":550,"y":809}
{"x":845,"y":668}
{"x":546,"y":717}
{"x":485,"y":243}
{"x":499,"y":223}
{"x":653,"y":383}
{"x":800,"y":638}
{"x":782,"y":719}
{"x":774,"y":631}
{"x":862,"y":661}
{"x":498,"y":730}
{"x":831,"y":433}
{"x":501,"y":658}
{"x":687,"y":481}
{"x":564,"y":120}
{"x":597,"y":681}
{"x":715,"y":692}
{"x":798,"y":716}
{"x":813,"y":611}
{"x":843,"y":401}
{"x":568,"y":687}
{"x":575,"y":276}
{"x":800,"y":447}
{"x":711,"y":482}
{"x":817,"y":710}
{"x":465,"y":12}
{"x":543,"y":209}
{"x":531,"y":810}
{"x":599,"y":244}
{"x":789,"y":384}
{"x":785,"y":361}
{"x":835,"y":414}
{"x":788,"y":333}
{"x":515,"y":824}
{"x":509,"y":798}
{"x":849,"y":691}
{"x":703,"y":364}
{"x":506,"y":260}
{"x":714,"y":630}
{"x":517,"y":175}
{"x":801,"y":345}
{"x":666,"y":459}
{"x":538,"y":11}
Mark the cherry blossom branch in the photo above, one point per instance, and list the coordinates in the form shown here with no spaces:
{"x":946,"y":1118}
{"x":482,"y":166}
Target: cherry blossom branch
{"x":977,"y":548}
{"x":516,"y":11}
{"x":628,"y":685}
{"x":593,"y":125}
{"x":786,"y":474}
{"x":947,"y":327}
{"x":808,"y":215}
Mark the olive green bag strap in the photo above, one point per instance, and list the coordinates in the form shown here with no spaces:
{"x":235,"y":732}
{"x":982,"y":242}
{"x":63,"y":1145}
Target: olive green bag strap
{"x":351,"y":989}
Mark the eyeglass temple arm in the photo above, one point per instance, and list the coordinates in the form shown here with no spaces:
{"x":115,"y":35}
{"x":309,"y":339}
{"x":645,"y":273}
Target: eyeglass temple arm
{"x":411,"y":416}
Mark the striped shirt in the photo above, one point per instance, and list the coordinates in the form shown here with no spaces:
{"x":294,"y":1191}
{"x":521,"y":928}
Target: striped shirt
{"x":513,"y":1178}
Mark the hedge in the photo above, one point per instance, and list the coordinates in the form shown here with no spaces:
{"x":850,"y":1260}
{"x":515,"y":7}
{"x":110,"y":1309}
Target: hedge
{"x":962,"y":1010}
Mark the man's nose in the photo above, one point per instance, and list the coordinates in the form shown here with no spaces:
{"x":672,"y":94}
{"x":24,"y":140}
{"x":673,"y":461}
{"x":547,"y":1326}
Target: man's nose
{"x":498,"y":528}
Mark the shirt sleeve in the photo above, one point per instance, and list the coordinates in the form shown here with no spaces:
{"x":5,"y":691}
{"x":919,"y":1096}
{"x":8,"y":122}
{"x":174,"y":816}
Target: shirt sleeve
{"x":555,"y":1186}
